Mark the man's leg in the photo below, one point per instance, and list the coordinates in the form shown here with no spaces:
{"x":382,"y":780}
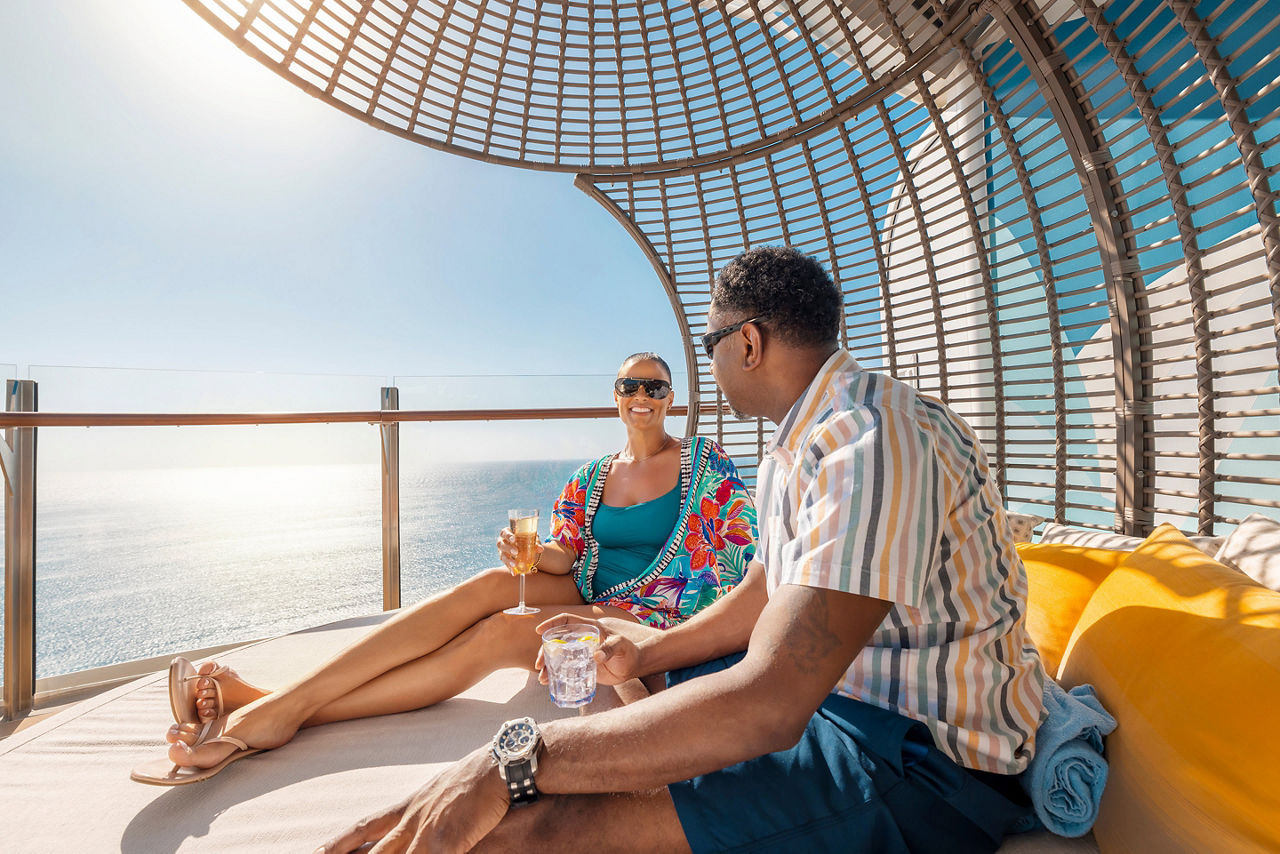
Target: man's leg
{"x":633,"y":822}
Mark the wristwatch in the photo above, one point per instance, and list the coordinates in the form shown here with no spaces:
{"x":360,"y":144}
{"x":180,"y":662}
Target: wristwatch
{"x":515,"y":748}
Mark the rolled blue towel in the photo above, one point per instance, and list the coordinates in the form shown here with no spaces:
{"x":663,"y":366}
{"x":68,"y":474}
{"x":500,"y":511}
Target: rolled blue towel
{"x":1068,"y":772}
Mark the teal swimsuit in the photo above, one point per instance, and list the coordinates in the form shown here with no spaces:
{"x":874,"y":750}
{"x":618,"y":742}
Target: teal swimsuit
{"x":631,"y":537}
{"x":710,"y":537}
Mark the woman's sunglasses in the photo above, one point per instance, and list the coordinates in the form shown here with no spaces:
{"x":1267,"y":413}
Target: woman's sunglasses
{"x":628,"y":386}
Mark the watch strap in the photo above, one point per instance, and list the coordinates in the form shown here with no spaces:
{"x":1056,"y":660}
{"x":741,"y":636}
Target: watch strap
{"x":520,"y":786}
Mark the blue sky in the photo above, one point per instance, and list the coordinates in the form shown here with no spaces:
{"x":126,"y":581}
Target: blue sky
{"x":170,"y":203}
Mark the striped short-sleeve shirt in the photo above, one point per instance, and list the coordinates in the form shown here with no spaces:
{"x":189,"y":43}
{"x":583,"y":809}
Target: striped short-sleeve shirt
{"x":869,"y":487}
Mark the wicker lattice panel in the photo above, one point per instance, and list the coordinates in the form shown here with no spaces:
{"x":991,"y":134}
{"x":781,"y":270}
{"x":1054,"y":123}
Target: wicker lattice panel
{"x":1058,"y":216}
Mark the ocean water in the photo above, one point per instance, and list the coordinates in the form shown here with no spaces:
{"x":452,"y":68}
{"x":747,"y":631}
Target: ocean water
{"x":138,"y":563}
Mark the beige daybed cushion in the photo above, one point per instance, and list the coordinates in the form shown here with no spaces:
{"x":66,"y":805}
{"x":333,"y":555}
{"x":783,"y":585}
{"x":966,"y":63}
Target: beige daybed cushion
{"x":1094,"y":539}
{"x":1254,"y":549}
{"x":64,"y":782}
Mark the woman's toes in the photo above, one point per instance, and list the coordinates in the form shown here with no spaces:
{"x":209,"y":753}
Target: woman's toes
{"x":183,"y":733}
{"x":201,"y":756}
{"x":180,"y":753}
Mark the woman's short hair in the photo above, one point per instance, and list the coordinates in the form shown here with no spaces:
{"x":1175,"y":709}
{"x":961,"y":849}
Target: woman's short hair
{"x":789,"y":289}
{"x":647,"y":357}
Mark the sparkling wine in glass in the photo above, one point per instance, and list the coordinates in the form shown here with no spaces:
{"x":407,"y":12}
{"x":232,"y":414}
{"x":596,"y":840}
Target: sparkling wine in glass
{"x":524,"y":524}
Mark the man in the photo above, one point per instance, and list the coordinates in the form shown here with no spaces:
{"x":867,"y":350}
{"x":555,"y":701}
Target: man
{"x":888,"y":687}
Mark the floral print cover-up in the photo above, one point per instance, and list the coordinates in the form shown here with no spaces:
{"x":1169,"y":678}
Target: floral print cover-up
{"x":706,"y":554}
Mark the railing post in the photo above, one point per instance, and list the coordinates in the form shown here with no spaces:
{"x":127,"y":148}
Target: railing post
{"x":18,"y":459}
{"x":390,"y":502}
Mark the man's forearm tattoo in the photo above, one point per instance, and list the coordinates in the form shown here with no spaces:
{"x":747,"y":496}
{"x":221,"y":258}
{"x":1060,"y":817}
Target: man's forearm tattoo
{"x":813,"y":638}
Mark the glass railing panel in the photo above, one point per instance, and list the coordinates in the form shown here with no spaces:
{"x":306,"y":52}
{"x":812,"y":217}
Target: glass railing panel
{"x":457,"y":480}
{"x":506,"y":391}
{"x":7,"y":372}
{"x":80,"y":389}
{"x":152,"y":540}
{"x":451,"y":513}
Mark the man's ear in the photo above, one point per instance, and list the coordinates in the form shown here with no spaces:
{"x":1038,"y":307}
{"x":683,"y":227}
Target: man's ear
{"x":753,"y":355}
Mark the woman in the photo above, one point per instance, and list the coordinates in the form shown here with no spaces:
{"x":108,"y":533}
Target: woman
{"x":651,"y":534}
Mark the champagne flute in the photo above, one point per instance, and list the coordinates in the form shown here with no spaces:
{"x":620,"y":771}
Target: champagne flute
{"x":524,"y":524}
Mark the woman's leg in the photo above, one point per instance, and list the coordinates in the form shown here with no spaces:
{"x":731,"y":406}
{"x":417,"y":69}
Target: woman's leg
{"x":502,"y":640}
{"x":415,"y":632}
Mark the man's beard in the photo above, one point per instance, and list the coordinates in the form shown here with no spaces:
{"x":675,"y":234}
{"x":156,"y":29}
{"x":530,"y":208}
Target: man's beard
{"x":739,"y":414}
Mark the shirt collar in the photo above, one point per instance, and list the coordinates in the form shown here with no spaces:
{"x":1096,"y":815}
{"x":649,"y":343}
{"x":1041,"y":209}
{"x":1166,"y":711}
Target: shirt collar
{"x":812,"y":403}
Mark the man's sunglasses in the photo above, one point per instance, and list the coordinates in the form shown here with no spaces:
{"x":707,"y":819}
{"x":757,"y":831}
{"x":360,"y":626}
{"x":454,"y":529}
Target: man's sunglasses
{"x":628,"y":386}
{"x":711,"y":339}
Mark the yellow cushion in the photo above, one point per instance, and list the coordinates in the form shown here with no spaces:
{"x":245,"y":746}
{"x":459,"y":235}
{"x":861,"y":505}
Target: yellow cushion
{"x":1185,"y":652}
{"x":1060,"y":580}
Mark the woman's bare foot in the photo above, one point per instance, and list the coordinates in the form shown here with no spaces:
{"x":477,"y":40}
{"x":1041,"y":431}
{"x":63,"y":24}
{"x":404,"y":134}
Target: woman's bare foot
{"x":236,"y":692}
{"x":266,"y":723}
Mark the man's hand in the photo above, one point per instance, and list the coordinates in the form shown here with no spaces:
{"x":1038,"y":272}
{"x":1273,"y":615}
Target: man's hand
{"x":618,"y":657}
{"x":451,"y":813}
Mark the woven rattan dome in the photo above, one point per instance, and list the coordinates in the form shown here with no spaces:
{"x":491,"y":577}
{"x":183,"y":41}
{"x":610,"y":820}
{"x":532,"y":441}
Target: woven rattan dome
{"x":1056,"y":215}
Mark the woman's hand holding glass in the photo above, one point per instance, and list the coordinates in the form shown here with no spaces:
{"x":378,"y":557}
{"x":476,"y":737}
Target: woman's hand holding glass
{"x":508,"y":552}
{"x":523,"y":525}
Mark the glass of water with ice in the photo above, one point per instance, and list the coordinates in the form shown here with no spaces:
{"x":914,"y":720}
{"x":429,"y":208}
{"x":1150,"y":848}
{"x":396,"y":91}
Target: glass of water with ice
{"x":568,"y":653}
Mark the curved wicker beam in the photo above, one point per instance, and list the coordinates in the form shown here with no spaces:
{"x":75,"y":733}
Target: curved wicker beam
{"x":1089,"y":153}
{"x":1166,"y":153}
{"x":583,"y":183}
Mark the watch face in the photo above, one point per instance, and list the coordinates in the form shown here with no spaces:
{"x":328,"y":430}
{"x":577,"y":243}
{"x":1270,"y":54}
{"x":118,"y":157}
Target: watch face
{"x":515,"y":740}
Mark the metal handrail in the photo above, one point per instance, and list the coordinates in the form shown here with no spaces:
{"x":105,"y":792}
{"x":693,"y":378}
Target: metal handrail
{"x":371,"y":416}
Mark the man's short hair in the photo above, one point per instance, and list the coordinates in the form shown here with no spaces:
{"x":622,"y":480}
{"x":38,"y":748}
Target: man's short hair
{"x":785,"y":287}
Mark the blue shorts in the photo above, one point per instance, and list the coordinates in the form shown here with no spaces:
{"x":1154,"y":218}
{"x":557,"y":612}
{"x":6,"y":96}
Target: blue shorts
{"x":861,"y":778}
